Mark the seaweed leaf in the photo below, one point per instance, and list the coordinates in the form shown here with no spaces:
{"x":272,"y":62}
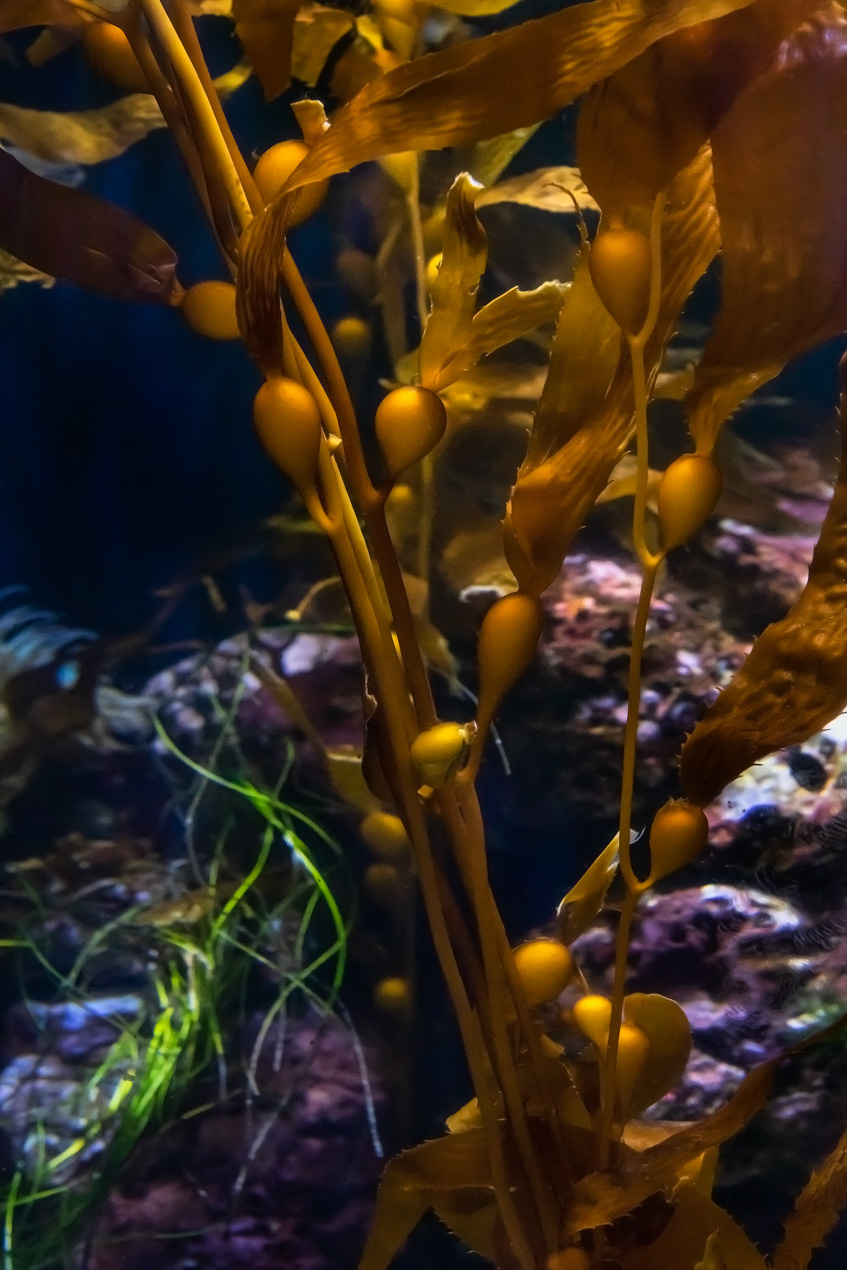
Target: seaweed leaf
{"x":71,"y":235}
{"x":784,"y":271}
{"x":699,"y":1234}
{"x":584,"y":901}
{"x":317,"y":30}
{"x":548,"y":189}
{"x":792,"y":682}
{"x":463,"y":258}
{"x":818,"y":1207}
{"x":669,"y":1034}
{"x":576,"y":442}
{"x":266,"y":30}
{"x":440,"y":1174}
{"x":493,"y":85}
{"x":641,"y":126}
{"x":600,"y":1198}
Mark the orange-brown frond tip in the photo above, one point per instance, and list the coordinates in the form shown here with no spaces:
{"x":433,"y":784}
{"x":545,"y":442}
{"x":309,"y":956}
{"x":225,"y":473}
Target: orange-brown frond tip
{"x":440,"y":753}
{"x":273,"y":170}
{"x":545,"y":968}
{"x":409,"y":424}
{"x":385,"y":836}
{"x":288,"y":424}
{"x":592,"y":1015}
{"x":688,"y":494}
{"x":678,"y":835}
{"x":620,"y":263}
{"x":209,"y":309}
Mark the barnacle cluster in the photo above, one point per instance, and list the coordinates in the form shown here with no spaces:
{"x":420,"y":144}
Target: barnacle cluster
{"x":691,"y":113}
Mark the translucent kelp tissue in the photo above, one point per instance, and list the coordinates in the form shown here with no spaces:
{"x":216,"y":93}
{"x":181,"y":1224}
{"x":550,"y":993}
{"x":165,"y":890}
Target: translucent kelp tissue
{"x":521,"y":350}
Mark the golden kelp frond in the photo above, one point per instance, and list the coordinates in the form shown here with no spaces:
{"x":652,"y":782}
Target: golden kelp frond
{"x":584,"y":901}
{"x":580,"y":370}
{"x":71,"y":235}
{"x":783,"y":222}
{"x":603,"y":1197}
{"x":436,"y":1175}
{"x":648,"y":120}
{"x":491,"y":158}
{"x":81,"y":136}
{"x":558,"y":189}
{"x":317,"y":30}
{"x":14,"y":271}
{"x":696,"y":1226}
{"x":475,"y":8}
{"x":463,"y":258}
{"x":818,"y":1207}
{"x":498,"y":83}
{"x":266,"y":30}
{"x":259,"y":282}
{"x":566,"y":471}
{"x":792,"y":683}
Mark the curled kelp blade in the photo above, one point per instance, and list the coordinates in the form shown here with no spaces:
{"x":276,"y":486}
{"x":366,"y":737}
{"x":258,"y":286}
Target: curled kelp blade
{"x":573,"y":450}
{"x":780,"y":161}
{"x":792,"y":683}
{"x":75,"y":237}
{"x":455,"y":337}
{"x":440,"y":1175}
{"x":669,"y":1033}
{"x":600,"y":1198}
{"x":556,"y":189}
{"x":818,"y":1208}
{"x":699,"y":1236}
{"x":641,"y":126}
{"x":493,"y":85}
{"x":317,"y":30}
{"x":585,"y":900}
{"x":463,"y":257}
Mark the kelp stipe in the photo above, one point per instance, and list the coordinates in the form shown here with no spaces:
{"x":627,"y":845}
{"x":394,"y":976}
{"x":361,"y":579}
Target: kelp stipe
{"x":693,"y":112}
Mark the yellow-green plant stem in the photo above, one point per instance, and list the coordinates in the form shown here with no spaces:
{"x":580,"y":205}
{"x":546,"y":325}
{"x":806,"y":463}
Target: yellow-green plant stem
{"x":650,"y":562}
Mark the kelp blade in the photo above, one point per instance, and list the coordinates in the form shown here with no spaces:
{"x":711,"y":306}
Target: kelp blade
{"x":499,"y":83}
{"x":73,"y":236}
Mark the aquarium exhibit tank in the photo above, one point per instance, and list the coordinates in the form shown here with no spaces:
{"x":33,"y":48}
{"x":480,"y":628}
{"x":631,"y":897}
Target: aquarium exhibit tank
{"x":423,"y":634}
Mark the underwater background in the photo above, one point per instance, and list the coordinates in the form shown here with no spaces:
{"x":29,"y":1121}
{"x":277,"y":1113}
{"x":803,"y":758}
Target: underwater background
{"x":220,"y":1010}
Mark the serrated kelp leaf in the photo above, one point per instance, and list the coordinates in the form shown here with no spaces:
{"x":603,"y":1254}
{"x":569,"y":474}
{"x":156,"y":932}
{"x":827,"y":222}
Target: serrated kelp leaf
{"x":784,"y":236}
{"x":604,"y":1197}
{"x":584,"y":901}
{"x":507,"y":318}
{"x":423,"y":1178}
{"x":697,"y":1223}
{"x":78,"y":238}
{"x":493,"y":85}
{"x":463,"y":257}
{"x":669,"y":1033}
{"x":580,"y":369}
{"x":548,"y":189}
{"x":266,"y":31}
{"x":641,"y":126}
{"x":14,"y":271}
{"x":317,"y":30}
{"x":572,"y":453}
{"x":792,"y":683}
{"x":818,"y":1207}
